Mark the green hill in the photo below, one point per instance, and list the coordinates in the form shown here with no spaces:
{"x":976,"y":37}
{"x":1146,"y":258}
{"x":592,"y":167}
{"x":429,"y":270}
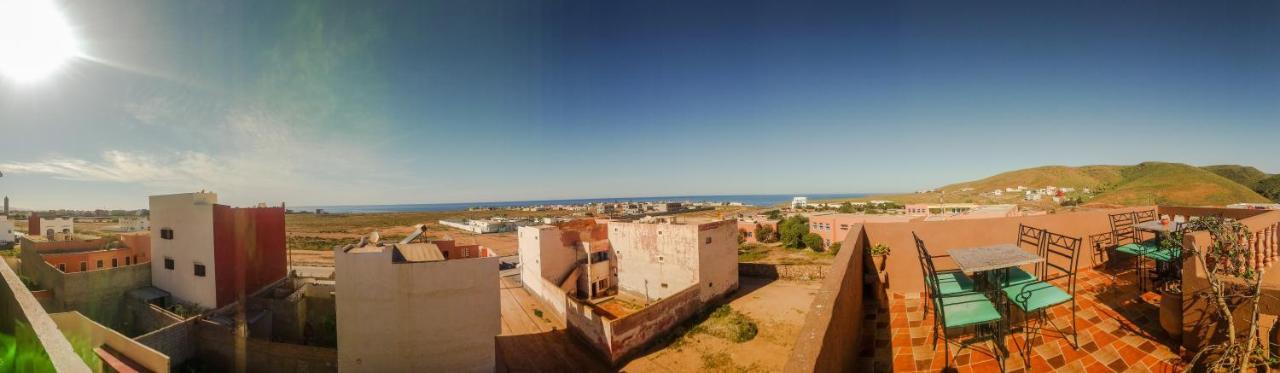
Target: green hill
{"x":1175,"y":184}
{"x":1245,"y":175}
{"x":1144,"y":184}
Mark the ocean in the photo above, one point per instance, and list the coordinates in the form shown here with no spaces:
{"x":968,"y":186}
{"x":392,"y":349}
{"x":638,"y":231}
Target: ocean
{"x":762,"y":200}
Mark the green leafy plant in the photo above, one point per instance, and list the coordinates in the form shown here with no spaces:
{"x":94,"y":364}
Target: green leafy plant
{"x":813,"y":241}
{"x":879,"y":250}
{"x":792,"y":231}
{"x":1232,"y":281}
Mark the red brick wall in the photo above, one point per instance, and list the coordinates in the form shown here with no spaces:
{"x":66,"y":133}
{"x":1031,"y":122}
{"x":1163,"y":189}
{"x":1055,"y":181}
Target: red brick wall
{"x":248,"y":250}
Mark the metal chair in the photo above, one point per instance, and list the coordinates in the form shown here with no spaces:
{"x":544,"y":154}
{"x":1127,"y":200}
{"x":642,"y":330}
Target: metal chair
{"x":1126,"y":239}
{"x":1028,"y":238}
{"x":1144,"y":216}
{"x":956,"y":310}
{"x":1038,"y":296}
{"x":949,"y":282}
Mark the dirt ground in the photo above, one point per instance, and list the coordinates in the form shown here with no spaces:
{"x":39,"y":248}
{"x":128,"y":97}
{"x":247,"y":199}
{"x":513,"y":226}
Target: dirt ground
{"x":532,"y":343}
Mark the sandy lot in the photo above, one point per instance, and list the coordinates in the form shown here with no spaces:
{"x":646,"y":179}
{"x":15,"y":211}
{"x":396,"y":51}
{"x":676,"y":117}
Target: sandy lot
{"x":532,"y":343}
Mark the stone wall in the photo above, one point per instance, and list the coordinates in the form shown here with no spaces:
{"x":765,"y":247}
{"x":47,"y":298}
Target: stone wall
{"x":619,"y":339}
{"x":288,"y":313}
{"x":144,"y":318}
{"x":176,"y":341}
{"x":215,"y":343}
{"x":832,"y":332}
{"x":98,"y":294}
{"x":799,"y":272}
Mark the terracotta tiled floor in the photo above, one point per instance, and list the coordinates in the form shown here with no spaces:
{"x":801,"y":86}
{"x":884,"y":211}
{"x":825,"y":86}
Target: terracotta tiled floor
{"x":1119,"y":333}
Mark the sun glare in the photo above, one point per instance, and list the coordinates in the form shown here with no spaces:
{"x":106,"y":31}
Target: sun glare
{"x":35,"y":39}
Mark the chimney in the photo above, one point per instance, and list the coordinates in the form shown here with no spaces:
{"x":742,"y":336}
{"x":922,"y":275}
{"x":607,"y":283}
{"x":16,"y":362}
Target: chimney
{"x":6,"y":205}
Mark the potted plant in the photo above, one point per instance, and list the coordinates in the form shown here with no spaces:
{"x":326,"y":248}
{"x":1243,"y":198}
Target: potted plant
{"x":879,"y":254}
{"x":1233,"y":284}
{"x":1171,"y":292}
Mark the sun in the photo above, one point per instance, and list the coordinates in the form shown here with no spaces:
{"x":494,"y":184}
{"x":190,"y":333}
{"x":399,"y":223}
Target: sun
{"x":35,"y":39}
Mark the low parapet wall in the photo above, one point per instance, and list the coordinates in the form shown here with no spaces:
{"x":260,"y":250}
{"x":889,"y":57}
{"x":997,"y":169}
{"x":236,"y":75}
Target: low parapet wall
{"x":215,"y":343}
{"x":619,"y":339}
{"x":832,"y":334}
{"x":38,"y":345}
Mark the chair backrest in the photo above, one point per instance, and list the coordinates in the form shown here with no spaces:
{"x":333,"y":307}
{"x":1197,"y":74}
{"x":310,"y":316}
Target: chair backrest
{"x":1058,"y":249}
{"x":1122,"y":229}
{"x":1031,"y":238}
{"x":926,"y":266}
{"x":1144,"y":216}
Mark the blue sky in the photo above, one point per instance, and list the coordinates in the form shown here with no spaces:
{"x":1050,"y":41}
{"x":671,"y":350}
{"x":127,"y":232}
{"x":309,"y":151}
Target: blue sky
{"x":328,"y":102}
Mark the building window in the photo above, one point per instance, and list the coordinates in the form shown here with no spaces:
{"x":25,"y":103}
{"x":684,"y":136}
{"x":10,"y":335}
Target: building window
{"x":84,"y":266}
{"x":126,"y":260}
{"x":199,"y":270}
{"x":166,"y":233}
{"x":115,"y":262}
{"x":99,"y":263}
{"x":708,"y":240}
{"x":62,"y":267}
{"x":168,"y":263}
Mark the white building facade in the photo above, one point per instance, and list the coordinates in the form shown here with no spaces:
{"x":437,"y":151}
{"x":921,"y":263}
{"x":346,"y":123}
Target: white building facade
{"x":183,"y":238}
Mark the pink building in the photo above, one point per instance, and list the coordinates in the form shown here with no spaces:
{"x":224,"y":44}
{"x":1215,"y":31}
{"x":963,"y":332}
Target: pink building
{"x":747,"y":228}
{"x":833,"y":227}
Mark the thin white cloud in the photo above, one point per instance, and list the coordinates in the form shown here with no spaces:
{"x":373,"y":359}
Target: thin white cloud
{"x":181,"y":169}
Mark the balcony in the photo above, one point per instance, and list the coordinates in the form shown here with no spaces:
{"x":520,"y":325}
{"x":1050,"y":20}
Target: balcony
{"x":869,"y":315}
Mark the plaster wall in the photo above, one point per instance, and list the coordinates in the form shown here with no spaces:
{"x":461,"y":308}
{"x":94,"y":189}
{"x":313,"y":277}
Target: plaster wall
{"x":6,"y":229}
{"x":429,"y":316}
{"x":655,"y":260}
{"x":717,"y":259}
{"x":190,"y":216}
{"x":85,"y":332}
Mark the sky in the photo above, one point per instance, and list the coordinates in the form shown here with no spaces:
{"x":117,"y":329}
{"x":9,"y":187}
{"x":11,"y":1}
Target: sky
{"x":372,"y":102}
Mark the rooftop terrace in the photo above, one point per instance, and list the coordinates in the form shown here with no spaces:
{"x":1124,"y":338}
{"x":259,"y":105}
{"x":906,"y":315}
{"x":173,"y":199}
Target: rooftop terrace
{"x":869,"y":316}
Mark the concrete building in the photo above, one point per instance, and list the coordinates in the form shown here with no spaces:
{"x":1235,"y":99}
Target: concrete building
{"x":212,"y":255}
{"x":90,"y":255}
{"x":924,"y":209}
{"x":133,"y":223}
{"x":652,"y":275}
{"x":747,"y":228}
{"x":6,"y":230}
{"x":1249,"y":206}
{"x":89,"y":276}
{"x":53,"y":229}
{"x":833,"y":227}
{"x":417,"y":307}
{"x":481,"y":226}
{"x":799,"y":201}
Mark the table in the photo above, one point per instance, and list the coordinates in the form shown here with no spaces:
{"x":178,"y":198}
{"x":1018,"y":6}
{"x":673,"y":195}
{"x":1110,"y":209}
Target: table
{"x":1156,"y":227}
{"x":1164,"y":271}
{"x":995,"y":260}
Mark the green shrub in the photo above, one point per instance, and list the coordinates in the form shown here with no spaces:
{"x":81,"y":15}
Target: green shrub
{"x":793,"y":230}
{"x":879,"y":250}
{"x":813,"y":241}
{"x":727,"y":323}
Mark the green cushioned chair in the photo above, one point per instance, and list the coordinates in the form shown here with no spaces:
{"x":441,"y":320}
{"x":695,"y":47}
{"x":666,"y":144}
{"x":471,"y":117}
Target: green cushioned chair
{"x":955,"y":304}
{"x":951,"y":283}
{"x":1138,"y":249}
{"x":1164,"y":255}
{"x":1018,"y":276}
{"x":1062,"y":260}
{"x":1035,"y":296}
{"x":966,"y":309}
